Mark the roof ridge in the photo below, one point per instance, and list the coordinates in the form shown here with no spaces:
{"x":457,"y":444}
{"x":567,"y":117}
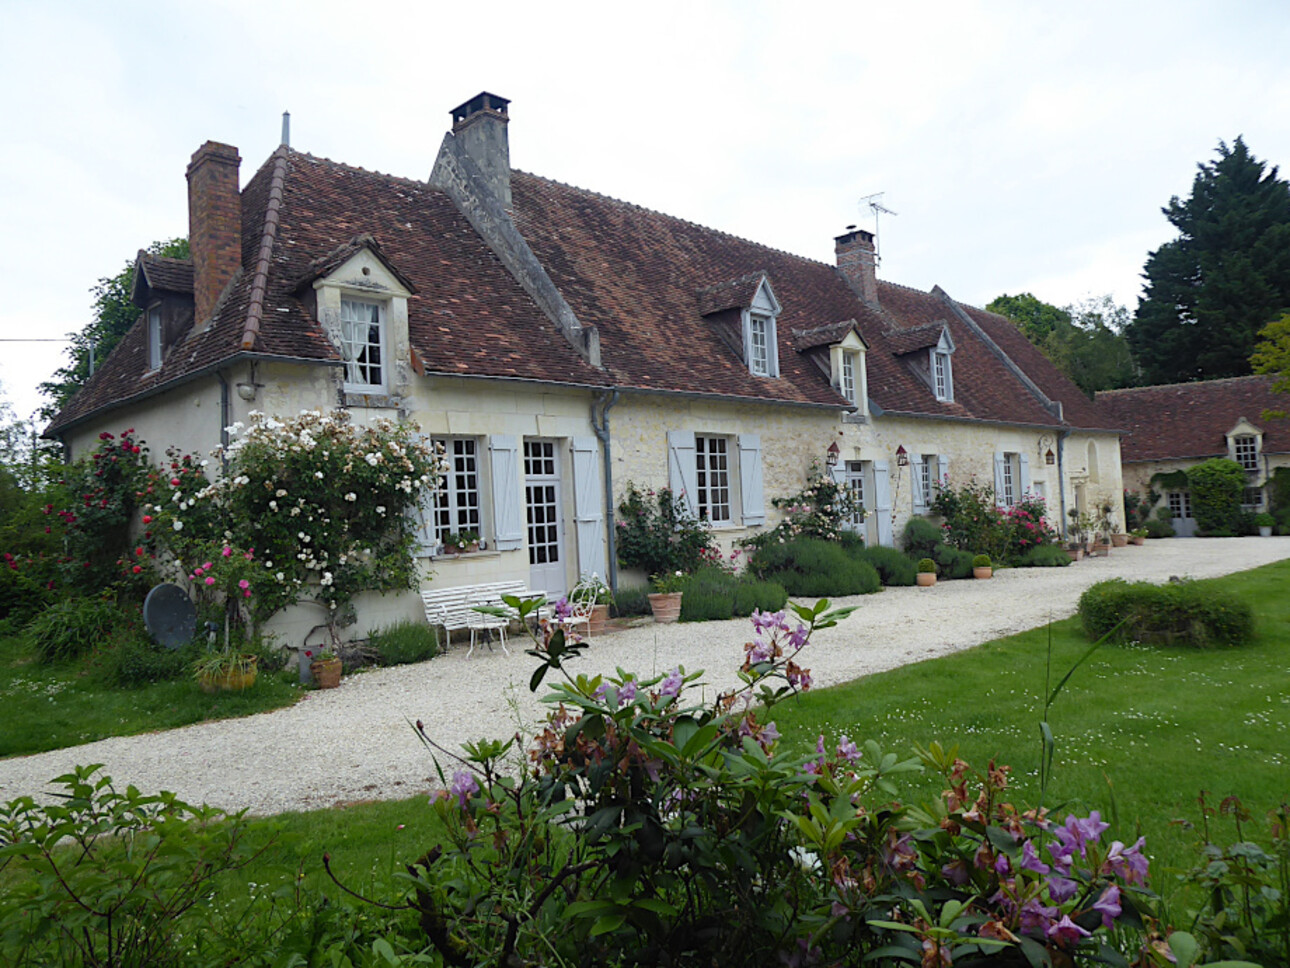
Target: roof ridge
{"x":675,"y":218}
{"x":1189,"y":383}
{"x":359,"y":169}
{"x":268,"y":234}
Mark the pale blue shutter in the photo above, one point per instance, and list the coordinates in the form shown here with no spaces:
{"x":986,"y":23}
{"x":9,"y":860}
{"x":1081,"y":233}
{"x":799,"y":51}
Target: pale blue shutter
{"x":588,"y":518}
{"x":508,"y":493}
{"x":772,"y":345}
{"x":920,"y":500}
{"x":682,"y":474}
{"x":750,"y":479}
{"x":839,"y":474}
{"x":1025,"y":473}
{"x":882,"y":503}
{"x":999,"y":458}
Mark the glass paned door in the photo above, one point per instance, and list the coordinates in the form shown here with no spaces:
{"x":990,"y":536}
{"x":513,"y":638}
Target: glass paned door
{"x":545,"y":517}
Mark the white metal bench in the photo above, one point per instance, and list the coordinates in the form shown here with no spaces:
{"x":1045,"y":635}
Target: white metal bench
{"x":454,"y":608}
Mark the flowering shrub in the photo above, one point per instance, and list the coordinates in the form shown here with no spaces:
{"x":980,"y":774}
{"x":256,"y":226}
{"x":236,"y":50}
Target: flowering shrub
{"x":646,"y":826}
{"x":656,"y":532}
{"x":291,"y":499}
{"x":973,"y":522}
{"x":819,"y":510}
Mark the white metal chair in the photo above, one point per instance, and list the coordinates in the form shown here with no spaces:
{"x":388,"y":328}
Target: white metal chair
{"x":478,"y":622}
{"x":581,"y":601}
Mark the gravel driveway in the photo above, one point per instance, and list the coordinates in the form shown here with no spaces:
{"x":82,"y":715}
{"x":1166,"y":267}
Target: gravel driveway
{"x":354,"y":743}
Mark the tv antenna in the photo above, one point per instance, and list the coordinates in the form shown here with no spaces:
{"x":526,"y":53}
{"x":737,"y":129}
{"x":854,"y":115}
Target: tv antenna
{"x":876,"y":206}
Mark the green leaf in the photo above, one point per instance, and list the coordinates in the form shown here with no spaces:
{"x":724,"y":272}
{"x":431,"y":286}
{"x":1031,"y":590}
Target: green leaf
{"x":610,"y":922}
{"x":1184,"y":947}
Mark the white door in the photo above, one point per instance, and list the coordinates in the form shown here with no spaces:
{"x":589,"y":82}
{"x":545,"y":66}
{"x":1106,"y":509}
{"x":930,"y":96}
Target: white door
{"x":1180,"y":508}
{"x":859,"y":481}
{"x":545,"y":520}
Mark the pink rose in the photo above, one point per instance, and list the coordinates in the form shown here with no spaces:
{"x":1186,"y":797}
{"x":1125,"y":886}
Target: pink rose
{"x":210,"y":581}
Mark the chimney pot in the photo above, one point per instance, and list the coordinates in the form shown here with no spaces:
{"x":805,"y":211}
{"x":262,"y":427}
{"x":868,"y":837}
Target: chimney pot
{"x":480,"y":125}
{"x":214,"y":223}
{"x":857,"y":261}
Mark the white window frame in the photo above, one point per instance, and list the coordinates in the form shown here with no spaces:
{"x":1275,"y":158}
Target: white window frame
{"x":1245,"y":450}
{"x":942,"y":381}
{"x":713,"y":497}
{"x":1246,"y":494}
{"x":854,"y":483}
{"x":457,"y":504}
{"x":849,"y":361}
{"x":1179,"y":504}
{"x":929,"y":476}
{"x":1010,"y":476}
{"x":354,"y":382}
{"x":154,"y":338}
{"x":759,"y":329}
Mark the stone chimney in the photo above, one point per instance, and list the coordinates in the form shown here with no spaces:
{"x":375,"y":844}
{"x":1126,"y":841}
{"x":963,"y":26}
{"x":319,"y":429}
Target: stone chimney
{"x":480,"y":127}
{"x":214,"y":223}
{"x":858,"y":263}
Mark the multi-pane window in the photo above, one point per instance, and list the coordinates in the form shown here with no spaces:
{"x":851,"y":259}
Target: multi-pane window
{"x":1009,"y":480}
{"x":759,"y":345}
{"x":941,"y":374}
{"x":712,"y":466}
{"x":1247,"y":451}
{"x":849,"y":377}
{"x":154,"y":337}
{"x":542,"y":500}
{"x":1252,"y":498}
{"x":855,"y":484}
{"x":1179,"y":504}
{"x":454,"y":507}
{"x":927,"y":474}
{"x":362,"y":343}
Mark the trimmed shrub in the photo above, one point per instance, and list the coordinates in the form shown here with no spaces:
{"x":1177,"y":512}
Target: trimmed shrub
{"x":1164,"y":514}
{"x":1157,"y":528}
{"x":813,"y":568}
{"x":1179,"y":613}
{"x":766,"y":596}
{"x":75,"y":627}
{"x":893,"y":567}
{"x":953,"y":563}
{"x":1044,"y":556}
{"x":921,"y":538}
{"x":709,"y":594}
{"x":404,"y":643}
{"x":630,"y":601}
{"x":133,"y":661}
{"x":982,"y":561}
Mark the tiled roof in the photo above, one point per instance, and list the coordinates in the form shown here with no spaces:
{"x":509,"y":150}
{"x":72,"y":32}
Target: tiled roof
{"x":657,"y":289}
{"x":735,"y":294}
{"x":1191,"y":420}
{"x":168,"y":275}
{"x":917,"y":338}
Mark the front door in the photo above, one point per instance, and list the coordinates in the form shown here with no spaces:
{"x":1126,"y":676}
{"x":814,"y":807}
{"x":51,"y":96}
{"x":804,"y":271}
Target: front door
{"x":545,"y":520}
{"x":861,"y":493}
{"x":1180,"y":510}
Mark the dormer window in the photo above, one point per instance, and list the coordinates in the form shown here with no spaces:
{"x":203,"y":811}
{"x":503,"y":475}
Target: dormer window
{"x":942,"y":369}
{"x":154,"y":338}
{"x":849,"y":376}
{"x":363,"y":344}
{"x":1246,"y":448}
{"x":759,"y":345}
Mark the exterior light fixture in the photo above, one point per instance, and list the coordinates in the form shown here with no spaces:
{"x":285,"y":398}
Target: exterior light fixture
{"x":902,"y":457}
{"x":1050,"y":457}
{"x":831,"y":455}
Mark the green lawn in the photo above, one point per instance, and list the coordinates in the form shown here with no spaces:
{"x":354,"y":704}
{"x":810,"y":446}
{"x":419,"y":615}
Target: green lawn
{"x":48,"y":707}
{"x":1139,"y":730}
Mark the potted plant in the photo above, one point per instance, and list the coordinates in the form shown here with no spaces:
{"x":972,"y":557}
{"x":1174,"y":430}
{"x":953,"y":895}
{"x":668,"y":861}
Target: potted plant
{"x":1138,"y":536}
{"x":982,"y":567}
{"x":1102,"y":532}
{"x":1077,"y":533}
{"x":325,"y":666}
{"x":665,"y":600}
{"x":598,"y":596}
{"x":461,"y":542}
{"x":926,"y":573}
{"x":225,"y":670}
{"x":1266,"y":523}
{"x":1119,"y":539}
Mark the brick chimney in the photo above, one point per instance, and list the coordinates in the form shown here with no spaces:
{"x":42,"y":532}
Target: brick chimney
{"x":480,"y":126}
{"x":857,"y":262}
{"x":214,"y":222}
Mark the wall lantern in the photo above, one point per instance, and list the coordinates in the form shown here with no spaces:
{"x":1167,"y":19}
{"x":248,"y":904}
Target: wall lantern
{"x":902,"y":457}
{"x":1050,"y":457}
{"x":831,"y":455}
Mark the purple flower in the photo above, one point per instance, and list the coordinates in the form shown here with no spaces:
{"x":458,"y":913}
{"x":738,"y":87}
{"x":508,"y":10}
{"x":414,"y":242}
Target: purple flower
{"x":1065,"y":931}
{"x":847,"y":751}
{"x":768,"y":735}
{"x":1084,"y":831}
{"x":1062,"y":889}
{"x":1002,"y":866}
{"x":463,"y":786}
{"x":797,"y":638}
{"x":956,"y":872}
{"x":563,"y":609}
{"x":1030,"y":860}
{"x":760,"y":652}
{"x":672,"y":684}
{"x":1128,"y":862}
{"x":603,"y":694}
{"x":1036,"y":916}
{"x":627,"y":691}
{"x":1108,"y":905}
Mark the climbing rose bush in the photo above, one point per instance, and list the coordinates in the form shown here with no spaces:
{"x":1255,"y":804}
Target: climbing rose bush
{"x":324,"y":508}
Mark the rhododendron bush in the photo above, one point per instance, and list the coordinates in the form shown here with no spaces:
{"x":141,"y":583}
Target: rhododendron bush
{"x":651,"y":821}
{"x":309,"y":507}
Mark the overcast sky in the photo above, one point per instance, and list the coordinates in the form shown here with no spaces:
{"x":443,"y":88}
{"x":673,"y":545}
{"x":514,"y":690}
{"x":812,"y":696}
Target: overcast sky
{"x":1023,"y":149}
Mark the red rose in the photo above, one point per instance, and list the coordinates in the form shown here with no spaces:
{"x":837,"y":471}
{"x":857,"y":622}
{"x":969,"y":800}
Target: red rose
{"x":137,"y":569}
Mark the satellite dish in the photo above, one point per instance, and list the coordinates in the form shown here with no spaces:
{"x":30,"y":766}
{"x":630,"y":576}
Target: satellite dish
{"x":170,"y":615}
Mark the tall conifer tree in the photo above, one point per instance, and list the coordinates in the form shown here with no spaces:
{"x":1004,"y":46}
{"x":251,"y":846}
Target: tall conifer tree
{"x":1209,"y":291}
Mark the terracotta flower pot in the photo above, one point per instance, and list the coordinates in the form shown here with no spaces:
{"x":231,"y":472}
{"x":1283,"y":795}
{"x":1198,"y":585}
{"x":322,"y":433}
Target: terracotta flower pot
{"x":926,"y":579}
{"x":1075,"y":553}
{"x":1119,"y":540}
{"x":982,"y":572}
{"x":1137,"y":539}
{"x":326,"y":673}
{"x":666,"y":606}
{"x":1100,"y":549}
{"x":599,"y":619}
